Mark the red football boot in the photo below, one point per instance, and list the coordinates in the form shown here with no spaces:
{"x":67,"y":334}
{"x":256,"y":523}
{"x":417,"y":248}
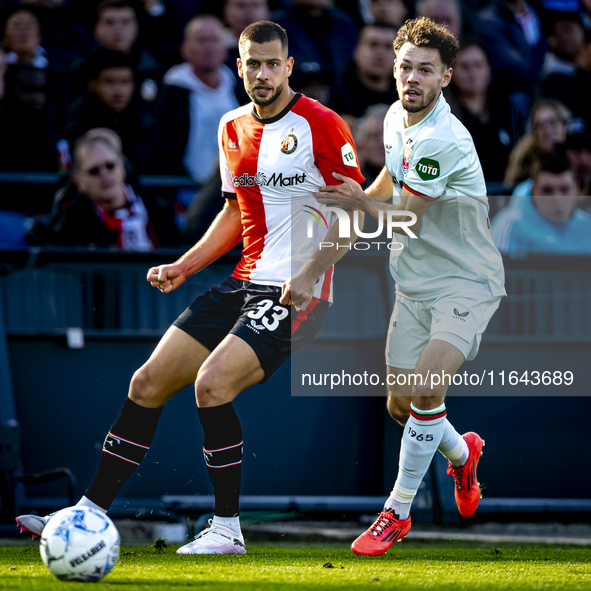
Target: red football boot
{"x":386,"y":530}
{"x":467,"y":491}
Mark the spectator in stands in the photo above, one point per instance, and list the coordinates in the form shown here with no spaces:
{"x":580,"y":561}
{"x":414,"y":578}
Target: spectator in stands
{"x":26,"y":122}
{"x":238,"y":14}
{"x":369,"y":140}
{"x":116,"y":25}
{"x":117,"y":28}
{"x":443,"y":12}
{"x":28,"y":136}
{"x":549,"y":221}
{"x":315,"y":85}
{"x":65,"y":37}
{"x":101,"y":209}
{"x":320,"y":38}
{"x":22,"y":38}
{"x":511,"y":33}
{"x":369,"y":80}
{"x":577,"y":148}
{"x":566,"y":38}
{"x":194,"y":97}
{"x":484,"y":110}
{"x":110,"y":102}
{"x":394,"y":12}
{"x":570,"y":87}
{"x":546,"y":128}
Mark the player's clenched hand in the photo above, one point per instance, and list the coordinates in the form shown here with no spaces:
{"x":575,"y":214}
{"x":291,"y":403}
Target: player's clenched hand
{"x":345,"y":196}
{"x":299,"y":291}
{"x":166,"y":277}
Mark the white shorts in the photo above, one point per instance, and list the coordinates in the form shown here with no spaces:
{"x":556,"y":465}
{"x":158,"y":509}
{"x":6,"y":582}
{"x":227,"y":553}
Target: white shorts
{"x":459,"y":320}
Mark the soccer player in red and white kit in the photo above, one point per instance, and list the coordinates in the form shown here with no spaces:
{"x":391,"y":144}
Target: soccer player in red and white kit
{"x":274,"y":153}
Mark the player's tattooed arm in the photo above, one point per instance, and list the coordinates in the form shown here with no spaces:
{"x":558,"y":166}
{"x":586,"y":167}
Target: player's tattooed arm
{"x":224,"y":233}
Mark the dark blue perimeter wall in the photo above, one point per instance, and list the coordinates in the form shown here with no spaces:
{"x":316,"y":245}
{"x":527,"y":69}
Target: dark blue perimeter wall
{"x":302,"y":441}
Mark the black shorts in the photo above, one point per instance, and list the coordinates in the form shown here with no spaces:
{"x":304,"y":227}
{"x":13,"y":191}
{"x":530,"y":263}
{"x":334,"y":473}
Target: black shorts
{"x":253,"y":313}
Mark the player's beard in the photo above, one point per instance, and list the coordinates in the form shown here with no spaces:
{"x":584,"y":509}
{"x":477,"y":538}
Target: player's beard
{"x":427,"y":100}
{"x":264,"y":101}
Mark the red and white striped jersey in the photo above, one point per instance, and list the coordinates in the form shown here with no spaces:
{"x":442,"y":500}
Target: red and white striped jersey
{"x":272,"y":166}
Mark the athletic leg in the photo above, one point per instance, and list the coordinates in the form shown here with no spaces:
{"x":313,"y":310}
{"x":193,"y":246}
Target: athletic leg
{"x":171,"y":367}
{"x":231,"y":368}
{"x":419,"y":407}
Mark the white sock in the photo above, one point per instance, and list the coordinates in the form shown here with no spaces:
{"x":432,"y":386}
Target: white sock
{"x":453,"y":446}
{"x":84,"y":502}
{"x":422,"y":435}
{"x":400,"y":509}
{"x":231,"y":522}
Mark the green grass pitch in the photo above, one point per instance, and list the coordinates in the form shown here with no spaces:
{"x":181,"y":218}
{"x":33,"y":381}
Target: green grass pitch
{"x":408,"y":566}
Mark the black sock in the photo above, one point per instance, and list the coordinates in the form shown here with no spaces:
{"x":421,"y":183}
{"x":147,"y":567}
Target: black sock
{"x":125,"y":446}
{"x":222,"y":449}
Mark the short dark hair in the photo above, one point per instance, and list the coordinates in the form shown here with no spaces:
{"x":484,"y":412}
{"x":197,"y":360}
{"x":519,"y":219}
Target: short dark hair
{"x":107,"y":4}
{"x":14,"y":74}
{"x":473,"y":42}
{"x":552,"y":163}
{"x":424,"y":32}
{"x":376,"y":25}
{"x":263,"y":32}
{"x":104,"y":58}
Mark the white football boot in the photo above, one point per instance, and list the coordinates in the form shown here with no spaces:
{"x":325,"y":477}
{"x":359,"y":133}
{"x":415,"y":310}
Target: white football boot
{"x":216,"y":539}
{"x":34,"y":524}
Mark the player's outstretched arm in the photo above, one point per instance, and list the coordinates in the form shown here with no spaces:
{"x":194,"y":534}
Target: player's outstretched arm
{"x":381,"y":188}
{"x":299,"y":290}
{"x":223,"y":234}
{"x":349,"y":195}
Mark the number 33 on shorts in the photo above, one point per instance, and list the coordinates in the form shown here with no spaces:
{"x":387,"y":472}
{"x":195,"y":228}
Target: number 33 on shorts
{"x":270,"y":315}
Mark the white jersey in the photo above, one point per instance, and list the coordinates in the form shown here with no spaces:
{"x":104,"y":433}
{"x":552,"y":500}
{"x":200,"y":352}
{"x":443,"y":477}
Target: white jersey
{"x":436,"y":159}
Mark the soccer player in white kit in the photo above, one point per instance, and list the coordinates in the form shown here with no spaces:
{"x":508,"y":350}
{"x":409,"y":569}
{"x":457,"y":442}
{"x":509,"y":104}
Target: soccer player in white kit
{"x":449,"y":280}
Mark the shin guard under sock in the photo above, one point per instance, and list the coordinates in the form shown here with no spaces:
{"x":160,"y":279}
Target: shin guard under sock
{"x":453,"y":446}
{"x":422,"y":435}
{"x":125,"y":446}
{"x":222,"y":449}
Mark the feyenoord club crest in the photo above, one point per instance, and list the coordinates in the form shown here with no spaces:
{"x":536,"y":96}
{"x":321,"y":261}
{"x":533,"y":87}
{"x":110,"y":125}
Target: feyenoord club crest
{"x":289,"y":144}
{"x":406,"y":152}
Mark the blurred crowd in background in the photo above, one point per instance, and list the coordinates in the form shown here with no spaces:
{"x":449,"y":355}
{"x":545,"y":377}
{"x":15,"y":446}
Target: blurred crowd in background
{"x":103,"y":92}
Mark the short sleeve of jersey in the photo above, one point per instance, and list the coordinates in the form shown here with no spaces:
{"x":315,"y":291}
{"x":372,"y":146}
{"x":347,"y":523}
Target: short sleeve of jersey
{"x":334,"y":150}
{"x":228,"y":189}
{"x":433,"y":163}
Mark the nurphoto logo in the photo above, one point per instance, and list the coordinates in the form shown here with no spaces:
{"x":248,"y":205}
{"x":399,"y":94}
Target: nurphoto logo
{"x":389,"y":219}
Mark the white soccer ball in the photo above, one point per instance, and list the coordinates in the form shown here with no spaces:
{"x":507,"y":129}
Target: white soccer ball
{"x":80,"y":544}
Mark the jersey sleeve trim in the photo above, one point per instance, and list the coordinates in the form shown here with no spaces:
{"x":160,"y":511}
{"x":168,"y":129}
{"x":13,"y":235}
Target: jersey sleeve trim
{"x":405,"y":186}
{"x":228,"y":195}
